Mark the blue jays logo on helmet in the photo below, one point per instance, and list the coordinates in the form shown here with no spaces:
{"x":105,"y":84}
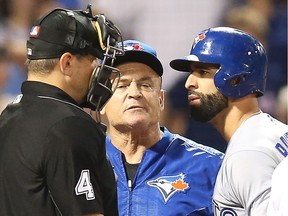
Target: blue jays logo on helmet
{"x":169,"y":185}
{"x":241,"y":58}
{"x":201,"y":36}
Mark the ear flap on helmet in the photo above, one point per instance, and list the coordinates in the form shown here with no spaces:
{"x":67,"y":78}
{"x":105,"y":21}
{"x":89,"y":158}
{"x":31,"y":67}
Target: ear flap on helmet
{"x":233,"y":85}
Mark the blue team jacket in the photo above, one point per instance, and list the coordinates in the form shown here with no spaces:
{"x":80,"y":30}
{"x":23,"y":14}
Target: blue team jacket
{"x":176,"y":177}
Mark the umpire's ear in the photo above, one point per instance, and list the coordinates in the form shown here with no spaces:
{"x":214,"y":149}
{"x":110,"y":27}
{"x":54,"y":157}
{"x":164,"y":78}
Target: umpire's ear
{"x":66,"y":63}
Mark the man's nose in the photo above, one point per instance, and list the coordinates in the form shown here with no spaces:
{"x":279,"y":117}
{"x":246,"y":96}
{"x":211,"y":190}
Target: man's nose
{"x":134,"y":90}
{"x":191,"y":82}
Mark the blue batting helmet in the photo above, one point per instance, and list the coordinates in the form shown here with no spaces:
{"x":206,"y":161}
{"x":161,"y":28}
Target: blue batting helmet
{"x":242,"y":60}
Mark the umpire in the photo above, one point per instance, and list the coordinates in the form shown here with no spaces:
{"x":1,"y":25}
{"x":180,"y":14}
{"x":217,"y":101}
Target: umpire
{"x":52,"y":153}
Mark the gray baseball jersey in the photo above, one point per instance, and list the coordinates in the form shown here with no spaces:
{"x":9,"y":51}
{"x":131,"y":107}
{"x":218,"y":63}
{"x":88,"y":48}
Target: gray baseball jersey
{"x":244,"y":180}
{"x":279,"y":191}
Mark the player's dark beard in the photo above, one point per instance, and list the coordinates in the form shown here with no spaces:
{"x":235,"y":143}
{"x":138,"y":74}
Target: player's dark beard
{"x":210,"y":105}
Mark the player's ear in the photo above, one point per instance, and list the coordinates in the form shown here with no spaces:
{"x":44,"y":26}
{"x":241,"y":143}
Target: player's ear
{"x":66,"y":63}
{"x":162,"y":99}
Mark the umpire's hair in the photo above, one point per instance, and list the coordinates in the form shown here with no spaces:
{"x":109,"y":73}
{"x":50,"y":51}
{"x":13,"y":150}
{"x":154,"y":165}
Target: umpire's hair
{"x":41,"y":66}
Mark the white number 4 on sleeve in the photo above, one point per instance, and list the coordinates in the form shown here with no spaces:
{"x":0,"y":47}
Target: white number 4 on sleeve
{"x":84,"y":185}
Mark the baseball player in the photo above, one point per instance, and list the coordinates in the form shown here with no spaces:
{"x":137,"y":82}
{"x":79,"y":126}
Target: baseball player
{"x":52,"y":153}
{"x":227,"y":73}
{"x":158,"y":172}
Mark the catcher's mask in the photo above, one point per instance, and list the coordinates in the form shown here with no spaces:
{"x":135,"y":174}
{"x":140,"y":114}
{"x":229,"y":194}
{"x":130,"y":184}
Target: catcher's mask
{"x":79,"y":32}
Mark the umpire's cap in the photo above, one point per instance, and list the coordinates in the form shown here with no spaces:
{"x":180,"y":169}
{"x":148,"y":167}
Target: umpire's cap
{"x":62,"y":31}
{"x":136,"y":51}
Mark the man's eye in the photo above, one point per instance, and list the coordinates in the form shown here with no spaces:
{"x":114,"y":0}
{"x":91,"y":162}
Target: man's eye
{"x":120,"y":86}
{"x":204,"y":72}
{"x":145,"y":85}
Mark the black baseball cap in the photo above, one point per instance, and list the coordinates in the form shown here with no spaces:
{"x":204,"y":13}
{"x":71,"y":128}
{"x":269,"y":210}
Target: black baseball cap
{"x":136,"y":51}
{"x":61,"y":31}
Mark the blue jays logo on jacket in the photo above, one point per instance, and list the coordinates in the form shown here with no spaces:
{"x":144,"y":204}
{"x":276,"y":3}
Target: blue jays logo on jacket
{"x":176,"y":176}
{"x":168,"y":185}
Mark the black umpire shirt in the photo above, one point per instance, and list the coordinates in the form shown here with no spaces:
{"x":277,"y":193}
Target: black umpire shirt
{"x":52,"y":157}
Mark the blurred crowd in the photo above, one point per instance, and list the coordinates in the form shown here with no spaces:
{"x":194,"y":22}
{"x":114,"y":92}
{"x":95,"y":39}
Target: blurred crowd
{"x":169,"y":27}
